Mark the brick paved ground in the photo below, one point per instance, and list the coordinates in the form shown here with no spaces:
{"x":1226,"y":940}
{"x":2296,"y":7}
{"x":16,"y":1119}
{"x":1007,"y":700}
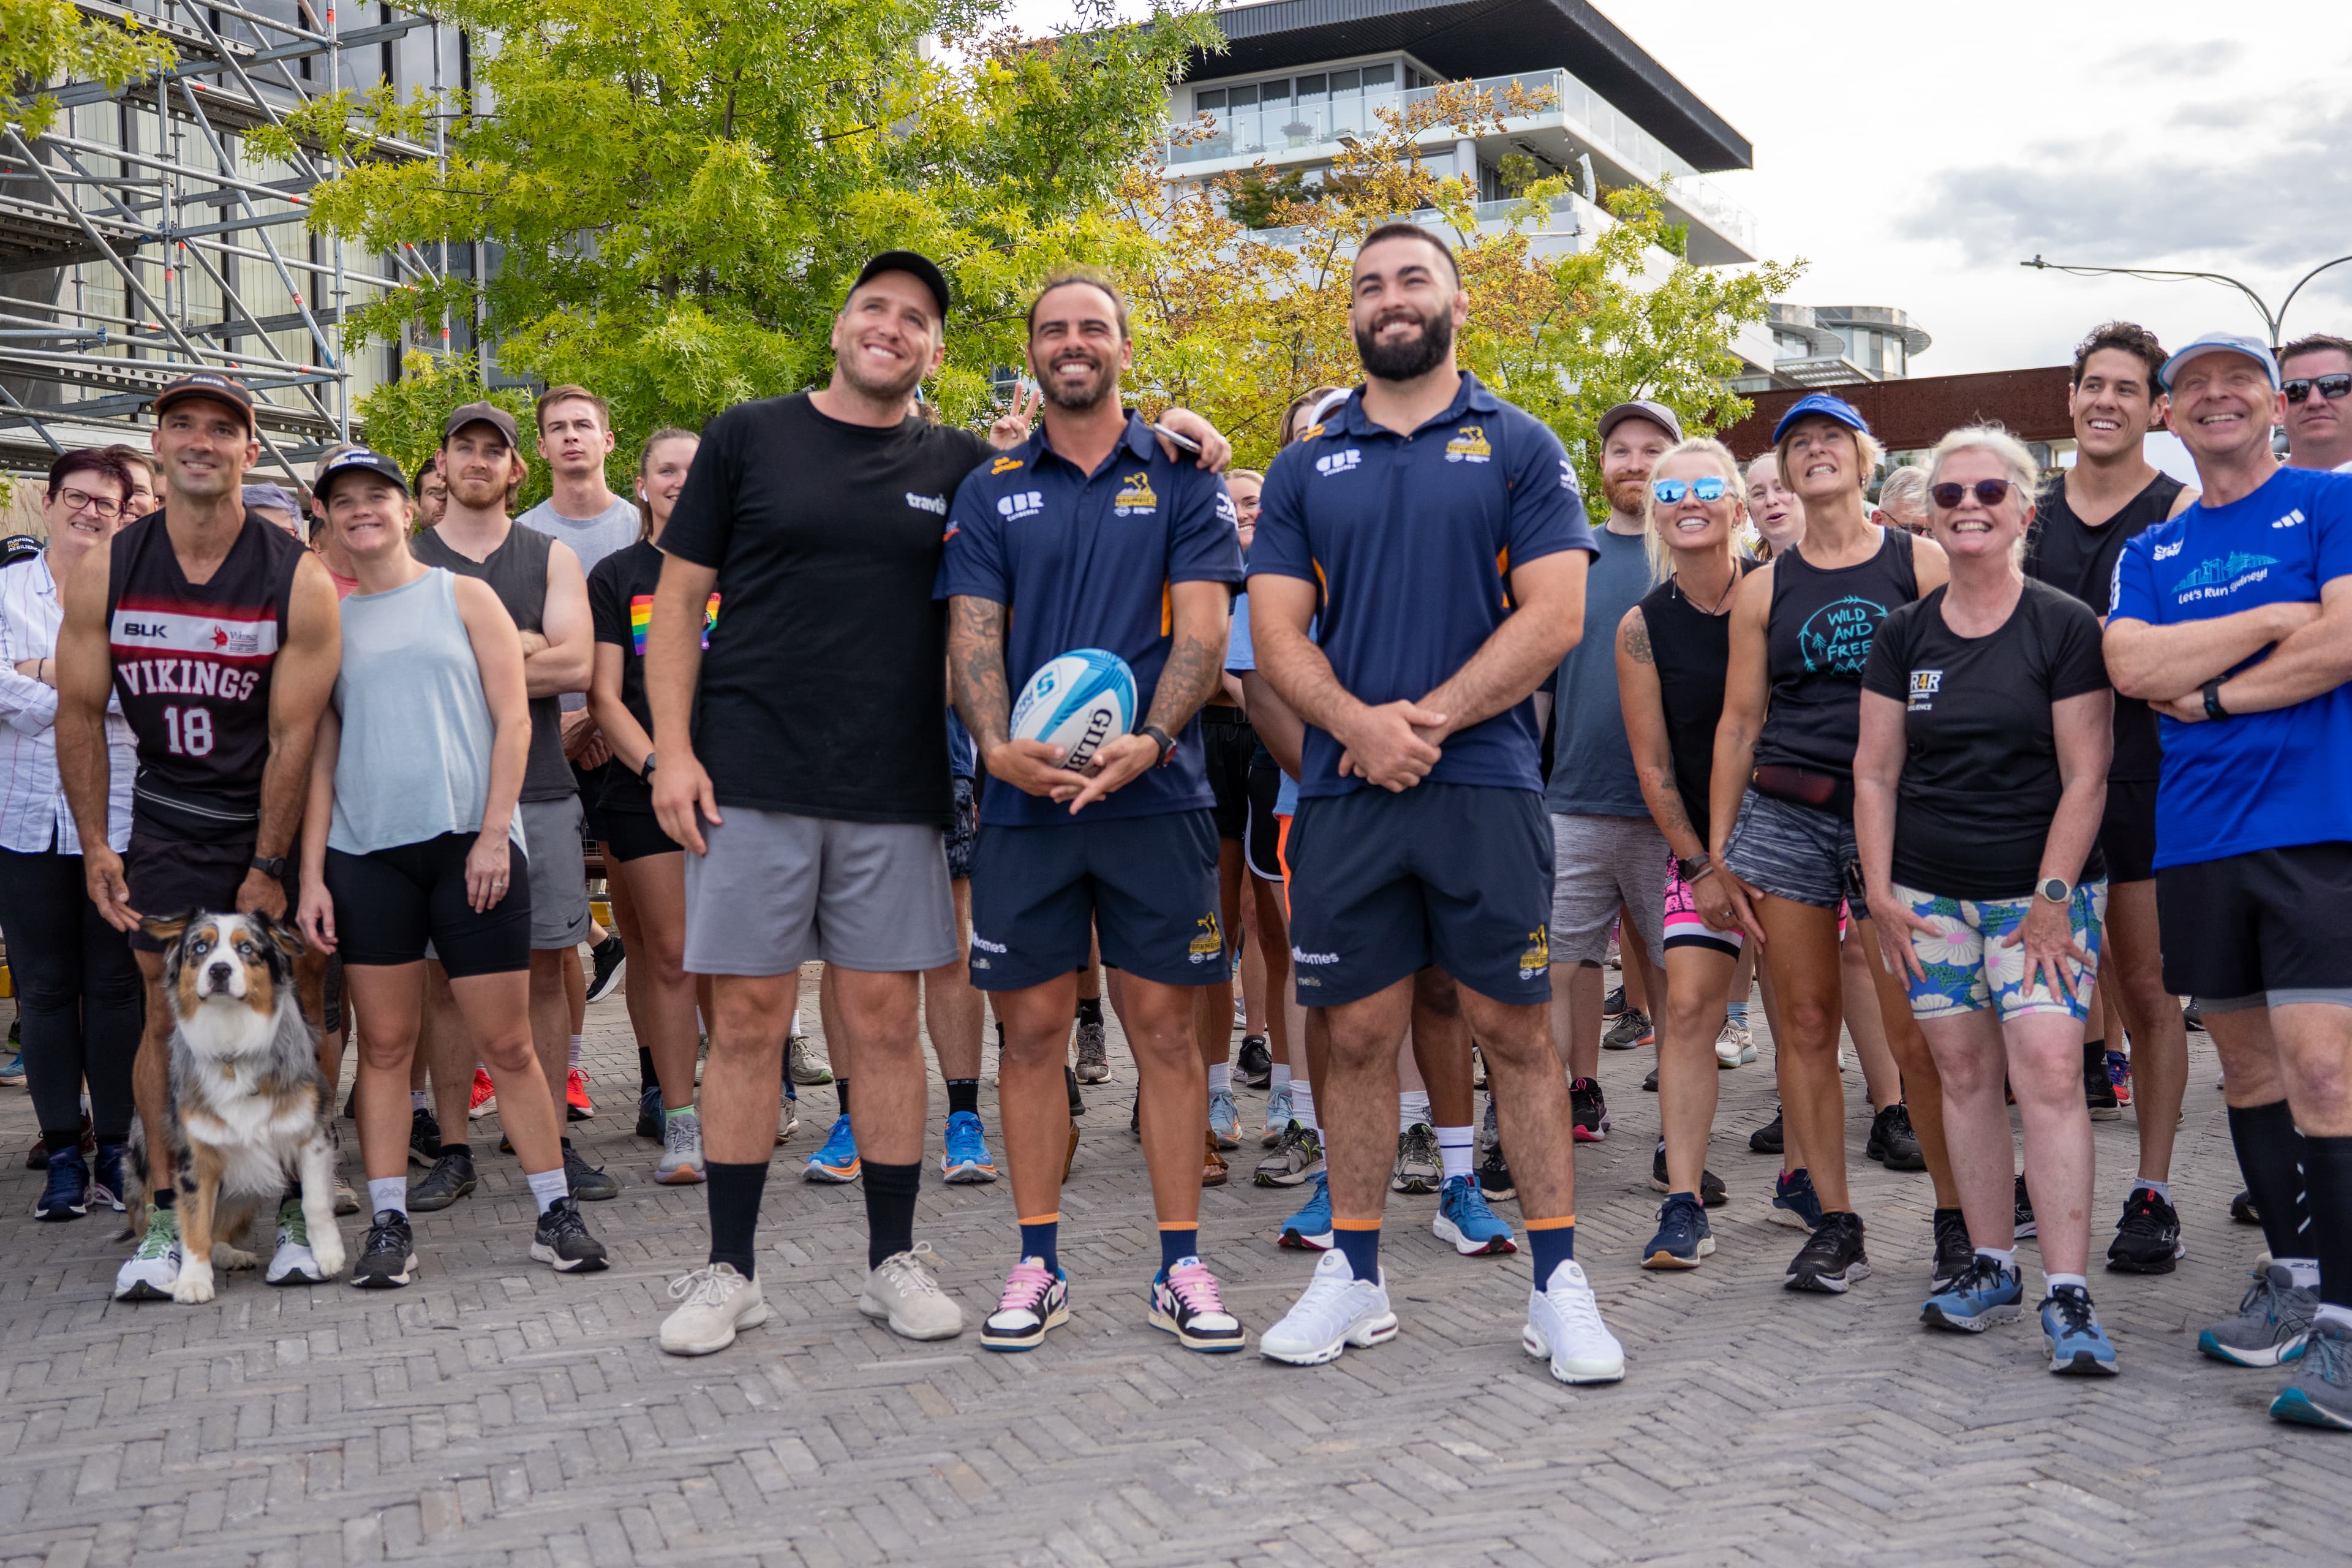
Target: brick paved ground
{"x":498,"y":1414}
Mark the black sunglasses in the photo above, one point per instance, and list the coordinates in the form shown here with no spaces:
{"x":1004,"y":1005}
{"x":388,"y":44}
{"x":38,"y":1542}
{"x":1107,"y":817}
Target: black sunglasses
{"x":1992,"y":492}
{"x":2330,"y":387}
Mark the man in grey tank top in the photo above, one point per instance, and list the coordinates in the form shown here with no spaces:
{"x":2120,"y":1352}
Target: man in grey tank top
{"x":539,"y":581}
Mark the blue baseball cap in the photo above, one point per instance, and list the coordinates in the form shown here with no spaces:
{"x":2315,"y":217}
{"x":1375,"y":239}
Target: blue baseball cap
{"x":2220,"y":343}
{"x":1827,"y":405}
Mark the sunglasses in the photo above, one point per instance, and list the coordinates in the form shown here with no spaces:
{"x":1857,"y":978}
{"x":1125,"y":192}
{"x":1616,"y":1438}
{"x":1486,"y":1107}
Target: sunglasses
{"x":2330,"y":387}
{"x":1989,"y":492}
{"x":1670,"y":491}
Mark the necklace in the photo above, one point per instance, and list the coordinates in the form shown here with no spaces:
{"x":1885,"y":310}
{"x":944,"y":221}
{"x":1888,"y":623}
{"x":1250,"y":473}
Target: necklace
{"x":1729,"y":589}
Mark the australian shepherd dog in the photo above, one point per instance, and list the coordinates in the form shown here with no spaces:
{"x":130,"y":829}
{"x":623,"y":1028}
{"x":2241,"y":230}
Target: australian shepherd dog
{"x":246,"y":1110}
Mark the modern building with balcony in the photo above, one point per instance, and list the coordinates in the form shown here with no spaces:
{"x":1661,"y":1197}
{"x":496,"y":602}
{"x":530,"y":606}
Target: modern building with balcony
{"x":1834,"y":345}
{"x":1299,"y":77}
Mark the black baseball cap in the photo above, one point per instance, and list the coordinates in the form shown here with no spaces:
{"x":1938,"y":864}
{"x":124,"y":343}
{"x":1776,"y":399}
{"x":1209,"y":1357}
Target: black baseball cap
{"x":913,"y":261}
{"x":357,"y":459}
{"x":488,"y":413}
{"x":208,"y":384}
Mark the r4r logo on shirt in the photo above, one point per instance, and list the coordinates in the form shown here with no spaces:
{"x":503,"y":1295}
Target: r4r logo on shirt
{"x":1337,"y":462}
{"x":1020,"y":504}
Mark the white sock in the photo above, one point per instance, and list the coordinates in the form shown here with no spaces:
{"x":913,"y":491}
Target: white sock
{"x":547,"y":1187}
{"x":1454,"y":1148}
{"x":391,"y":1193}
{"x":1221,"y":1078}
{"x":1302,"y":1103}
{"x":2341,"y":1316}
{"x":2161,"y":1189}
{"x":1412,"y":1105}
{"x":2053,"y":1282}
{"x":1281,"y":1075}
{"x":2305,"y":1270}
{"x":577,"y":1041}
{"x":2004,"y":1255}
{"x":793,"y":1033}
{"x":417,"y":1100}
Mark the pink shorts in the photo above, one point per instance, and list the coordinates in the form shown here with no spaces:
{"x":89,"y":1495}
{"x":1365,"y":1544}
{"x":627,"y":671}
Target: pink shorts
{"x":1684,"y":926}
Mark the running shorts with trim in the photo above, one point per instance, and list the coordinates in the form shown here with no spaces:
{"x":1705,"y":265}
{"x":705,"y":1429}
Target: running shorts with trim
{"x":959,"y":837}
{"x":171,"y":869}
{"x":1683,"y":927}
{"x":774,"y":890}
{"x":2269,"y":923}
{"x":389,"y":904}
{"x":559,"y":876}
{"x":636,"y":836}
{"x":1974,"y":961}
{"x":1382,"y":886}
{"x":1260,"y":849}
{"x":590,"y":782}
{"x":2128,"y":830}
{"x":1797,"y":853}
{"x":1228,"y":743}
{"x":1599,"y":865}
{"x":1146,"y":885}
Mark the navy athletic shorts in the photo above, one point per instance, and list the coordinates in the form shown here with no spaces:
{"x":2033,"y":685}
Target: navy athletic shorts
{"x":1382,"y":886}
{"x":1147,"y":885}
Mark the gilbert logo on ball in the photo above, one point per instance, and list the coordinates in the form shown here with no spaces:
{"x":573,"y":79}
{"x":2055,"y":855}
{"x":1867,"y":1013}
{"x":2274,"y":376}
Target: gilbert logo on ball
{"x":1077,"y":702}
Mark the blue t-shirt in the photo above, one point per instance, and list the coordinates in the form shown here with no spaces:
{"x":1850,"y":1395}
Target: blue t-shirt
{"x":1083,"y":560}
{"x":963,"y":754}
{"x":1412,"y":539}
{"x":2255,"y":781}
{"x":1593,"y":765}
{"x":1241,"y":655}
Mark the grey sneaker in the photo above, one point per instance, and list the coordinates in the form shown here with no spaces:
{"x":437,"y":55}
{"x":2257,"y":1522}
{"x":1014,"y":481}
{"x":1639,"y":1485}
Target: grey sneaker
{"x":1297,"y":1158}
{"x":681,"y":1161}
{"x":1224,"y":1121}
{"x":806,"y":1063}
{"x":713,"y":1302}
{"x":1419,"y":1166}
{"x":902,"y":1293}
{"x":2273,"y":1322}
{"x":297,"y":1261}
{"x":1094,"y":1053}
{"x":588,"y":1183}
{"x":1489,"y":1132}
{"x":2320,"y":1392}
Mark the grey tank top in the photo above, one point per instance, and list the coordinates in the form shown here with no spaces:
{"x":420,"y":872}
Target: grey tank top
{"x":517,"y":573}
{"x":415,"y":758}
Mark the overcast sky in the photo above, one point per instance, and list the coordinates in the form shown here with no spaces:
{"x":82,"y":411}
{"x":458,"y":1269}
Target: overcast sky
{"x":1913,"y":154}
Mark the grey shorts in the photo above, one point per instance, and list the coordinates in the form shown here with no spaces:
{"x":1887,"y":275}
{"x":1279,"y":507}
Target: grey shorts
{"x":775,"y":891}
{"x":559,"y":876}
{"x":1599,"y":865}
{"x":1797,"y":853}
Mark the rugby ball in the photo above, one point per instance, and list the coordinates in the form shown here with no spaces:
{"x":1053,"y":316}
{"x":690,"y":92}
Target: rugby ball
{"x":1078,"y":703}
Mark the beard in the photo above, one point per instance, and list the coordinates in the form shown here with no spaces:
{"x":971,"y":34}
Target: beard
{"x":893,"y":389}
{"x":1625,"y":496}
{"x":1079,"y":398}
{"x":1407,"y":359}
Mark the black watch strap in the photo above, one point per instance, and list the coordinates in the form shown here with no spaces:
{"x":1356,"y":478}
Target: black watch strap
{"x":1161,"y":739}
{"x":269,"y":866}
{"x":2212,"y":692}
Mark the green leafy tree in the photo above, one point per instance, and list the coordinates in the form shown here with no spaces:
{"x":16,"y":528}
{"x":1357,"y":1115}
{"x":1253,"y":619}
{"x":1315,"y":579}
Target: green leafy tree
{"x":44,"y":43}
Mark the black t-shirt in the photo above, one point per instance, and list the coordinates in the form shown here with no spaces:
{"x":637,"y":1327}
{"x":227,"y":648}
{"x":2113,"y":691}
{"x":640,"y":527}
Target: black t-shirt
{"x":1692,"y":649}
{"x":621,"y":603}
{"x":1980,"y":780}
{"x":2078,"y":559}
{"x":1817,"y":640}
{"x":824,"y":684}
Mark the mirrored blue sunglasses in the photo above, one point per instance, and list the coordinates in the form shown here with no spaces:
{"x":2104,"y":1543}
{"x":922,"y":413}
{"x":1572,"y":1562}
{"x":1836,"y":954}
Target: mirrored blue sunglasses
{"x":1669,"y":492}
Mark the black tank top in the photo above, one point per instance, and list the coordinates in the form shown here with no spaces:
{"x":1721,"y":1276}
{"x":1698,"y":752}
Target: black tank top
{"x":1692,"y":649}
{"x":517,"y":572}
{"x":2074,"y":558}
{"x":1817,"y":642}
{"x":193,"y":663}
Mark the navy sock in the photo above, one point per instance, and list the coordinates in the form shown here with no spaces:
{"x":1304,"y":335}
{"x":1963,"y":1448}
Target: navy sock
{"x":1177,"y":1243}
{"x":840,"y":1092}
{"x":2327,"y":1173}
{"x":1553,"y":1245}
{"x":1041,"y":1239}
{"x":1363,"y":1250}
{"x":890,"y":1209}
{"x":735,"y":1191}
{"x":963,"y":1094}
{"x":2270,"y":1156}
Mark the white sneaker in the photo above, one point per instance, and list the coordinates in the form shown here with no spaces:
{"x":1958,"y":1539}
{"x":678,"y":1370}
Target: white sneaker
{"x":1735,"y":1047}
{"x":713,"y":1302}
{"x":788,"y":1120}
{"x":1337,"y":1310}
{"x":154,"y":1268}
{"x":1564,"y":1324}
{"x":902,"y":1293}
{"x":681,"y":1162}
{"x":294,"y":1263}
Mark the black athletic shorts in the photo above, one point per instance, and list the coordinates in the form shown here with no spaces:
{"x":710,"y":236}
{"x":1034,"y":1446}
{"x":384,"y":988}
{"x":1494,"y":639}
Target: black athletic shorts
{"x":176,"y":867}
{"x":1147,"y":885}
{"x":2127,"y":832}
{"x":592,"y":823}
{"x":389,"y":904}
{"x":967,"y":824}
{"x":1382,"y":886}
{"x":2269,"y":921}
{"x":636,"y":835}
{"x":1228,"y":745}
{"x":1262,"y":845}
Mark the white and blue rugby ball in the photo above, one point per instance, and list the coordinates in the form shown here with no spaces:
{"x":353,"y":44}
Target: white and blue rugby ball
{"x":1078,"y":703}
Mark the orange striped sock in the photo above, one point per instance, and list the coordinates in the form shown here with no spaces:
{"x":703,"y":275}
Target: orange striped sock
{"x":1360,"y":1239}
{"x":1553,"y":1243}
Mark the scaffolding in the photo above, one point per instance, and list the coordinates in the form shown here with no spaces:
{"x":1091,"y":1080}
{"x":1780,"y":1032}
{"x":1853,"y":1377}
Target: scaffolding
{"x":141,"y":238}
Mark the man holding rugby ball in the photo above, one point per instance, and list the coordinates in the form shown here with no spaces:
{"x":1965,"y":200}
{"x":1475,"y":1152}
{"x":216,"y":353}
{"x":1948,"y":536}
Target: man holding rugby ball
{"x":1087,"y":536}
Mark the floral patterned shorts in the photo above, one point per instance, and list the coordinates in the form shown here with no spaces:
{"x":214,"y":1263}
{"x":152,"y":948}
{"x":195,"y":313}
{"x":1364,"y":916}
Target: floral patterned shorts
{"x":1974,"y":959}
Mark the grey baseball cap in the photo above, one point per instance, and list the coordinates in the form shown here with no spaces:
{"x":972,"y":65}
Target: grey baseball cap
{"x":1657,"y":413}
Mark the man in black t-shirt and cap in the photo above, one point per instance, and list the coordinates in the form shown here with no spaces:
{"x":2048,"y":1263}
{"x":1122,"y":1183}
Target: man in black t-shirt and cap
{"x":808,"y":780}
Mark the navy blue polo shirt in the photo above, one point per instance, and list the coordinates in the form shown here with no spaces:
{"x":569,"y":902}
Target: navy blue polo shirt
{"x":1086,"y":559}
{"x":1411,"y":539}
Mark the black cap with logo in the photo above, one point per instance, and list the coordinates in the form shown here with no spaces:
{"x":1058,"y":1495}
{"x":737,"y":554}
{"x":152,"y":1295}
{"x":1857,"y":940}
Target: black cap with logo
{"x":211,"y":386}
{"x":923,"y":268}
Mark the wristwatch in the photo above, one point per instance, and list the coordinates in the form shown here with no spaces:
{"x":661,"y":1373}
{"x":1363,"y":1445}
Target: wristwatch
{"x":270,"y":866}
{"x":1695,"y":867}
{"x":646,"y":772}
{"x":2212,"y":690}
{"x":2057,"y":889}
{"x":1161,"y":739}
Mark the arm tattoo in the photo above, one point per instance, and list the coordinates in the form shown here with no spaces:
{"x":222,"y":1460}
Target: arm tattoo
{"x":976,"y":663}
{"x":1637,"y":640}
{"x":1673,"y":818}
{"x":1192,"y":673}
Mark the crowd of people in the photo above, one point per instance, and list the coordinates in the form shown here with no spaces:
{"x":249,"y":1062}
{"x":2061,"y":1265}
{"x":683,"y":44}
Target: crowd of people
{"x":1985,"y":774}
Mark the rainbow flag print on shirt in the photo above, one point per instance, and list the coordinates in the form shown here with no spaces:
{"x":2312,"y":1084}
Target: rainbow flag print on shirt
{"x":641,"y":616}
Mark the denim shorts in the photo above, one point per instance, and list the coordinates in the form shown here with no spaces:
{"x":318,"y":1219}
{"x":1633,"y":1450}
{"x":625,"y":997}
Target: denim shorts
{"x":1974,"y":961}
{"x":1797,"y":853}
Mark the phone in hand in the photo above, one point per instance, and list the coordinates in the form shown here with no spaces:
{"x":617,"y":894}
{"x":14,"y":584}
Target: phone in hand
{"x":1182,"y":443}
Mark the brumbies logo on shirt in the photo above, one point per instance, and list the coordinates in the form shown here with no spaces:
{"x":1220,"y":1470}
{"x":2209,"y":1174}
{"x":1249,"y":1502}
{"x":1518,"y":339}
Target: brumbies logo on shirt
{"x":1538,"y":957}
{"x":1135,"y":497}
{"x":1020,"y":504}
{"x":1925,"y":684}
{"x":1469,"y":446}
{"x":1339,"y":462}
{"x":1208,"y":940}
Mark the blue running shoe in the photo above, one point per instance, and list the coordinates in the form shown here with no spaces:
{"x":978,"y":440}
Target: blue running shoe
{"x":67,"y":1194}
{"x":1309,"y":1230}
{"x":1683,"y":1235}
{"x":2320,"y":1392}
{"x":2078,"y":1346}
{"x":1983,"y":1295}
{"x":837,"y":1161}
{"x":1464,"y":1219}
{"x":1224,"y":1121}
{"x":966,"y":1158}
{"x":12,"y":1071}
{"x":1793,"y":1201}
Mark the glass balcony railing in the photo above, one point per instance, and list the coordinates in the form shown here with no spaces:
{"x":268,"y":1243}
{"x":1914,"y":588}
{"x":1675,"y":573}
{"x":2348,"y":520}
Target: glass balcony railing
{"x":1302,"y":125}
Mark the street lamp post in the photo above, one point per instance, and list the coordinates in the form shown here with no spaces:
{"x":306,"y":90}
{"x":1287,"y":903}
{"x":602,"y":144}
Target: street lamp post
{"x":2271,"y":319}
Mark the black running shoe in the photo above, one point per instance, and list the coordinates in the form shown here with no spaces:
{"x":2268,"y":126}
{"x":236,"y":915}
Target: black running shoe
{"x":2099,"y":1089}
{"x":2147,"y":1239}
{"x":589,"y":1184}
{"x":649,"y":1111}
{"x":1495,"y":1178}
{"x":2242,"y":1209}
{"x":1591,"y":1109}
{"x":387,"y":1258}
{"x":2191,"y":1018}
{"x":1613,"y":1006}
{"x":609,"y":958}
{"x":1710,"y":1186}
{"x":563,"y":1240}
{"x":1650,"y":1084}
{"x":451,"y":1178}
{"x":1070,"y":1081}
{"x":2025,"y":1226}
{"x":1255,"y":1065}
{"x":1893,"y":1143}
{"x":423,"y":1138}
{"x":1831,"y":1259}
{"x":1955,"y":1253}
{"x":1766,"y":1140}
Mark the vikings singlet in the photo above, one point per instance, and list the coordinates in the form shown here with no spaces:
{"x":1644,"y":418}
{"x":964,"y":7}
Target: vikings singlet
{"x":191,"y":665}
